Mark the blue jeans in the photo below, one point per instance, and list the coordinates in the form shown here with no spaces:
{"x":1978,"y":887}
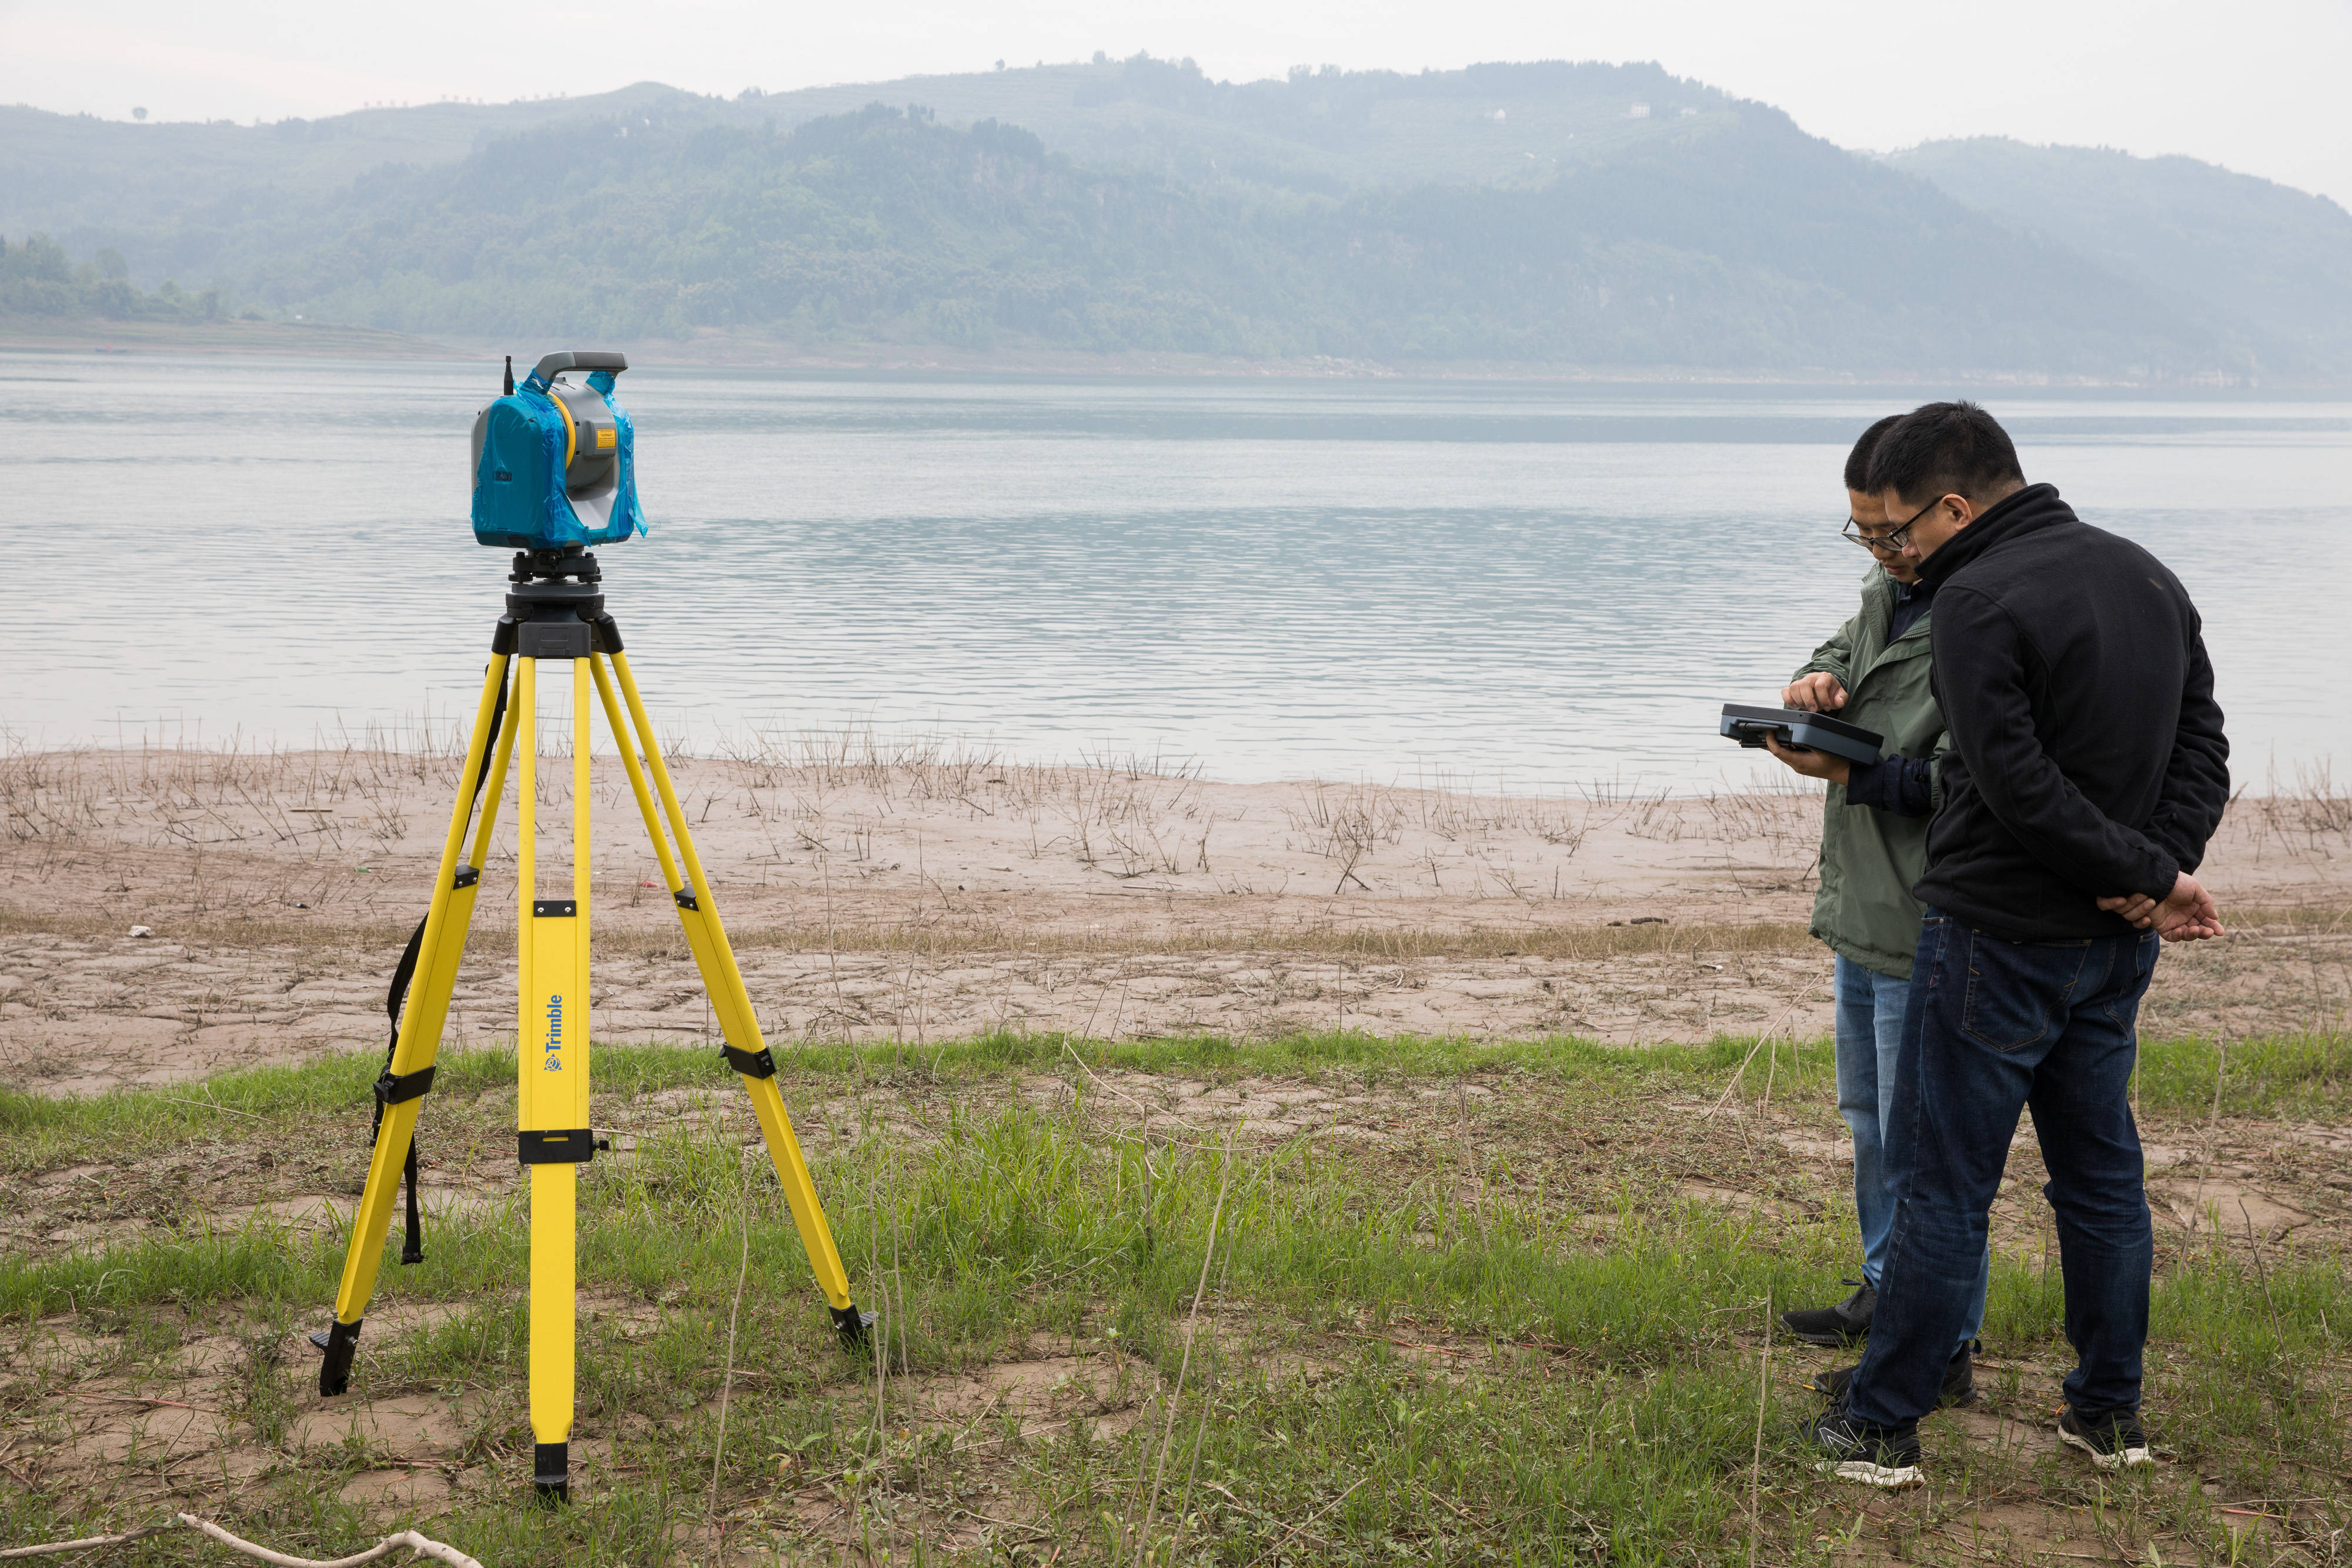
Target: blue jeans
{"x":1870,"y":1007}
{"x":1994,"y":1027}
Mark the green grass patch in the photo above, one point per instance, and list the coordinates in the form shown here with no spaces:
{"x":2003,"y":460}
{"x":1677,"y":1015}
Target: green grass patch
{"x":2293,"y":1075}
{"x":2290,"y":1075}
{"x":40,"y":1130}
{"x":1525,"y":1345}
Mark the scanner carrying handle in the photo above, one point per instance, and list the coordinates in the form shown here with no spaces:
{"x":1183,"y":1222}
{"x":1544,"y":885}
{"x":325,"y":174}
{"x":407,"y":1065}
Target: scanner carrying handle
{"x":555,"y":364}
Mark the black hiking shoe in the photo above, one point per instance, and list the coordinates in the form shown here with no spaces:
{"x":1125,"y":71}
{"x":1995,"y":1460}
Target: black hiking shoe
{"x":1855,"y":1450}
{"x":1959,"y":1379}
{"x":2112,"y":1438}
{"x":1837,"y":1325}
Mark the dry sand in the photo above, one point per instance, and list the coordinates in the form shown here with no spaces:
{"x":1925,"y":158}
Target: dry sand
{"x":916,"y":893}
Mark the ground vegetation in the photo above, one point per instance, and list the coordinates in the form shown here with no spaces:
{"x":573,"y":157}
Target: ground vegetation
{"x":1326,"y":1297}
{"x":37,"y":279}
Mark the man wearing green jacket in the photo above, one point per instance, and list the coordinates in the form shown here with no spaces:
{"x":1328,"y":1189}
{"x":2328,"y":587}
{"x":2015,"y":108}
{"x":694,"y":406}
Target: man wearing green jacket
{"x":1874,"y":672}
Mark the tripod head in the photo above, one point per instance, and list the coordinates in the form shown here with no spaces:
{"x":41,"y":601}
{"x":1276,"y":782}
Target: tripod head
{"x":555,"y":606}
{"x":555,"y":565}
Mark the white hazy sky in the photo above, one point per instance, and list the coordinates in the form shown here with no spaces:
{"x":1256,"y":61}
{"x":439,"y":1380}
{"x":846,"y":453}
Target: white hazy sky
{"x":2256,"y":84}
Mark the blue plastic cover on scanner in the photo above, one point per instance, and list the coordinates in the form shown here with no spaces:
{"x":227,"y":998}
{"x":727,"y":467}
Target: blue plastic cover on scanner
{"x":520,"y":501}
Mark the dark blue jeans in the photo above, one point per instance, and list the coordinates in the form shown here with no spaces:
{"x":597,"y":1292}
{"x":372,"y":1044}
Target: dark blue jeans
{"x":1993,"y":1026}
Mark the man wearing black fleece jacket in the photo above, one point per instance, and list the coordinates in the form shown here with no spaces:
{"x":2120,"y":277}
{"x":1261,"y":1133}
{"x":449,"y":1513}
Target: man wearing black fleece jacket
{"x":2086,"y":770}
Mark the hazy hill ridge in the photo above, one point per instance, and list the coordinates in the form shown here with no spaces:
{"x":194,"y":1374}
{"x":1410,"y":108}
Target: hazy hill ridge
{"x":1593,"y":214}
{"x":2274,"y":258}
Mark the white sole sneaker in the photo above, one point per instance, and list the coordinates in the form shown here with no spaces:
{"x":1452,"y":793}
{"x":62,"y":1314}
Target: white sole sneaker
{"x":2129,"y":1459}
{"x":1894,"y":1478}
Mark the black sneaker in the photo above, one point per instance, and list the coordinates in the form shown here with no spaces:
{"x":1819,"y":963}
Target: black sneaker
{"x":1855,"y":1450}
{"x":2112,"y":1438}
{"x":1959,"y":1379}
{"x":1841,"y":1324}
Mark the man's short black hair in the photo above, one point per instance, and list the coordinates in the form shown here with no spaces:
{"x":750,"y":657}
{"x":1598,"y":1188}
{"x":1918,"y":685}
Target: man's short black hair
{"x":1857,"y":461}
{"x":1945,"y":449}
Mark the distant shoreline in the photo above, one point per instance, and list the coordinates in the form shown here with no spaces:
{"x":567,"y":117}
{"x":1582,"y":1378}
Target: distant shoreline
{"x":59,"y":335}
{"x":41,"y":334}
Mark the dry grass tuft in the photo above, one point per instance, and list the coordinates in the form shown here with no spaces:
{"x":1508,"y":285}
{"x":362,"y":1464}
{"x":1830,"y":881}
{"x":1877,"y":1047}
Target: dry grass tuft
{"x":2307,"y":815}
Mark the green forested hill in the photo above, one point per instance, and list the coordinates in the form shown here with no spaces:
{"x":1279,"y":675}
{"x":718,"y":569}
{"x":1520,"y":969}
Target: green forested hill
{"x":1328,"y":130}
{"x":1521,"y":213}
{"x":1733,"y":241}
{"x":2276,"y":258}
{"x":89,"y":181}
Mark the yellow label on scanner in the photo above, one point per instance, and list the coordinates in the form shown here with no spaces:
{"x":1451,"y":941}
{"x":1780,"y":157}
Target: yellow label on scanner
{"x":607,"y":438}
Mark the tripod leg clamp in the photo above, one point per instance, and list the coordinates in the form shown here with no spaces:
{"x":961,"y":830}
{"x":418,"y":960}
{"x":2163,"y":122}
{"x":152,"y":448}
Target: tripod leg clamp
{"x":393,"y":1088}
{"x":341,"y":1343}
{"x":567,"y":1146}
{"x":750,"y":1063}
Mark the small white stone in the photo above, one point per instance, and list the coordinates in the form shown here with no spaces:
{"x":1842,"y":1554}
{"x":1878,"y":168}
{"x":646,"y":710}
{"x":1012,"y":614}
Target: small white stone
{"x":141,"y":931}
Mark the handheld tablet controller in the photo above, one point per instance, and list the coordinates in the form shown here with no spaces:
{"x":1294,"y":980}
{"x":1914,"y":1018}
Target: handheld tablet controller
{"x":1800,"y":731}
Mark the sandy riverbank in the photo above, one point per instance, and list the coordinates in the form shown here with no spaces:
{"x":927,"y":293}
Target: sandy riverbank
{"x":919,"y":895}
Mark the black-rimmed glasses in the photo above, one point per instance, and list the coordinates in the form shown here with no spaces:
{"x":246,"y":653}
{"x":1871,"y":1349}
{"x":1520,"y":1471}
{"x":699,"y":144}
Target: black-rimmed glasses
{"x":1893,"y":540}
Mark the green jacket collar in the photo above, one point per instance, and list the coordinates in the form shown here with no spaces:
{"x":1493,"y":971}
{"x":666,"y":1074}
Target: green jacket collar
{"x":1878,"y":592}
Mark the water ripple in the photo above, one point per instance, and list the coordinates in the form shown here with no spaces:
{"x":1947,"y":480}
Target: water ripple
{"x":1547,"y":582}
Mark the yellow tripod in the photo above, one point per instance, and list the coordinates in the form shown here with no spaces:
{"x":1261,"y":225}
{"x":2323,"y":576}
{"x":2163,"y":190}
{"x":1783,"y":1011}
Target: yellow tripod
{"x":555,"y":614}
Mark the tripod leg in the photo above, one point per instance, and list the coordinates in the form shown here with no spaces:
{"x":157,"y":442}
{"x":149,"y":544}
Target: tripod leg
{"x":745,"y":1050}
{"x":551,"y":1040}
{"x":554,"y":1191}
{"x":402,"y":1088}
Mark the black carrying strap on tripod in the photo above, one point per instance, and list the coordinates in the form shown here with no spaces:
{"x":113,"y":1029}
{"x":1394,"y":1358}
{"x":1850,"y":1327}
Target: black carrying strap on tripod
{"x":390,"y":1090}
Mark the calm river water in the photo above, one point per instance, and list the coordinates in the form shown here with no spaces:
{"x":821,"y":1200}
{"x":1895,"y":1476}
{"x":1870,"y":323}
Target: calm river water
{"x":1526,"y":584}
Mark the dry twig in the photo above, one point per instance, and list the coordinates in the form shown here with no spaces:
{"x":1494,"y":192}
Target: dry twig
{"x":421,"y":1545}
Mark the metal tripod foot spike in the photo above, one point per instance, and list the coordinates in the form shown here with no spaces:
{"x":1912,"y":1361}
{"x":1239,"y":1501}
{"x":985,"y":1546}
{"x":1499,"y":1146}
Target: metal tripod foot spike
{"x":555,"y":616}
